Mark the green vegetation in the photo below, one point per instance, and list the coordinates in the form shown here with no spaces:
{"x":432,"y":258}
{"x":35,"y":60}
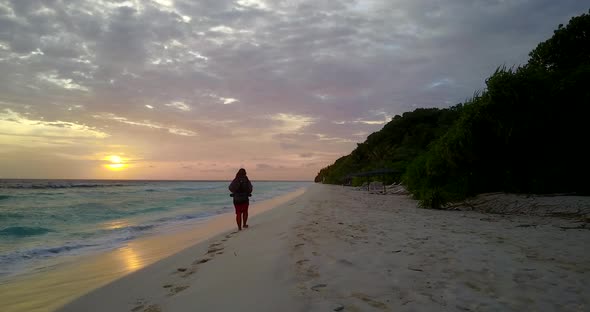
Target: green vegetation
{"x":395,"y":146}
{"x":526,"y":133}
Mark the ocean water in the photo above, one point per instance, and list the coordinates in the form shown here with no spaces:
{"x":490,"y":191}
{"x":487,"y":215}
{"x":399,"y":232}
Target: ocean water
{"x":42,"y":221}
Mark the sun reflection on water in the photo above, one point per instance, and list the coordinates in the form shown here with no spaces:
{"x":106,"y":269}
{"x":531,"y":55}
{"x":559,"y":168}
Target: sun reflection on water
{"x":115,"y":224}
{"x":130,"y":259}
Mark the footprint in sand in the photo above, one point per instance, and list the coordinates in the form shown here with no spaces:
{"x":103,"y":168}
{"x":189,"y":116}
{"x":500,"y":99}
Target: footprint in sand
{"x":345,"y":262}
{"x":137,"y":308}
{"x":177,"y":289}
{"x":141,"y":304}
{"x":189,"y":273}
{"x":214,"y":250}
{"x":153,"y":308}
{"x":318,"y":287}
{"x":312,"y":272}
{"x":370,"y":301}
{"x":204,"y":260}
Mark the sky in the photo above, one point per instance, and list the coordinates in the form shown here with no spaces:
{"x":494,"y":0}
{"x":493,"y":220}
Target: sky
{"x":187,"y":89}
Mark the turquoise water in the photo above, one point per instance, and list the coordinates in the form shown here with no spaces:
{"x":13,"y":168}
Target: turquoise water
{"x":43,"y":220}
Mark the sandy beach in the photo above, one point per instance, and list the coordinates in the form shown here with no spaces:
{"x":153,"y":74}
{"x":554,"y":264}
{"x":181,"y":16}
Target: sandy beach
{"x":49,"y":289}
{"x":339,"y":249}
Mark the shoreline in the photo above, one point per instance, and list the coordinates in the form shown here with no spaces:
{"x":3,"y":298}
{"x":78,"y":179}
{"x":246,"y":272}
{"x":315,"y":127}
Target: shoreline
{"x":236,"y":269}
{"x":336,"y":249}
{"x":49,"y":290}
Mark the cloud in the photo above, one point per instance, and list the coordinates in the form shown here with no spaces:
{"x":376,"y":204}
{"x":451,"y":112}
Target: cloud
{"x":222,"y":29}
{"x":256,"y":4}
{"x":227,"y":100}
{"x":65,"y":83}
{"x":146,"y":124}
{"x":292,"y":122}
{"x":14,"y":124}
{"x":179,"y":105}
{"x":274,"y":76}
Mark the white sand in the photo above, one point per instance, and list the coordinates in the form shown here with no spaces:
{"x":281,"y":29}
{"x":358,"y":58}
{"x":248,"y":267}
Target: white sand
{"x":334,"y":248}
{"x":380,"y":252}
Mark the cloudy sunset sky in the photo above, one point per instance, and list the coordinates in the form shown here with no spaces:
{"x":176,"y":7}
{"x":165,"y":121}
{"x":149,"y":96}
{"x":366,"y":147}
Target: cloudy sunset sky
{"x":188,"y":89}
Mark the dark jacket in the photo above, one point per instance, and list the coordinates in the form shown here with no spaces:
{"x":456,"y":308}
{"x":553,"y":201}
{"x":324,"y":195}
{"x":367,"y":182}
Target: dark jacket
{"x":241,"y":189}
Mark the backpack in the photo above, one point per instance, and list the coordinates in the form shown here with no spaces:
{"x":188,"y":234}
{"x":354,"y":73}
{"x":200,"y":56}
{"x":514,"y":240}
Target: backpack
{"x":242,"y":186}
{"x":242,"y":192}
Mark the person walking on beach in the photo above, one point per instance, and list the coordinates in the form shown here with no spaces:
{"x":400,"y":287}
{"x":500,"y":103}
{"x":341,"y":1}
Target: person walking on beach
{"x":241,"y":190}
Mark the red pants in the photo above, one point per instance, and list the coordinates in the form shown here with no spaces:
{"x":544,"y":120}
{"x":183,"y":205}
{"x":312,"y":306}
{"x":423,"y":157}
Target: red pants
{"x":241,"y":208}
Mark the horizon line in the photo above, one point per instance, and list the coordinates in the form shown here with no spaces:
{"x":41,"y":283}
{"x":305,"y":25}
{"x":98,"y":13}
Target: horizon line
{"x":154,"y":180}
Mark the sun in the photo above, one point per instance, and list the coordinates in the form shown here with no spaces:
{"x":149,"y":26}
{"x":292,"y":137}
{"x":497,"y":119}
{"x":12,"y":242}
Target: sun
{"x":117,"y":163}
{"x":115,"y":159}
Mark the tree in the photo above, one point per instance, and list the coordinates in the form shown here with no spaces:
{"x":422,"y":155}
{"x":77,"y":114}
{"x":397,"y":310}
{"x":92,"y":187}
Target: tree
{"x":568,"y":48}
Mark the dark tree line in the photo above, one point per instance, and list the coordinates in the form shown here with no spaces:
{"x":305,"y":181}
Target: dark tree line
{"x":526,"y":133}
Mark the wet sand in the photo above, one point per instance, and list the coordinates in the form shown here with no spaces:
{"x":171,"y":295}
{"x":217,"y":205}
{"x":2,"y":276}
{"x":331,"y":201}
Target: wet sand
{"x":50,"y":289}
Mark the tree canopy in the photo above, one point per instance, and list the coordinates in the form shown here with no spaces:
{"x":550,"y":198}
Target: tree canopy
{"x":526,"y":132}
